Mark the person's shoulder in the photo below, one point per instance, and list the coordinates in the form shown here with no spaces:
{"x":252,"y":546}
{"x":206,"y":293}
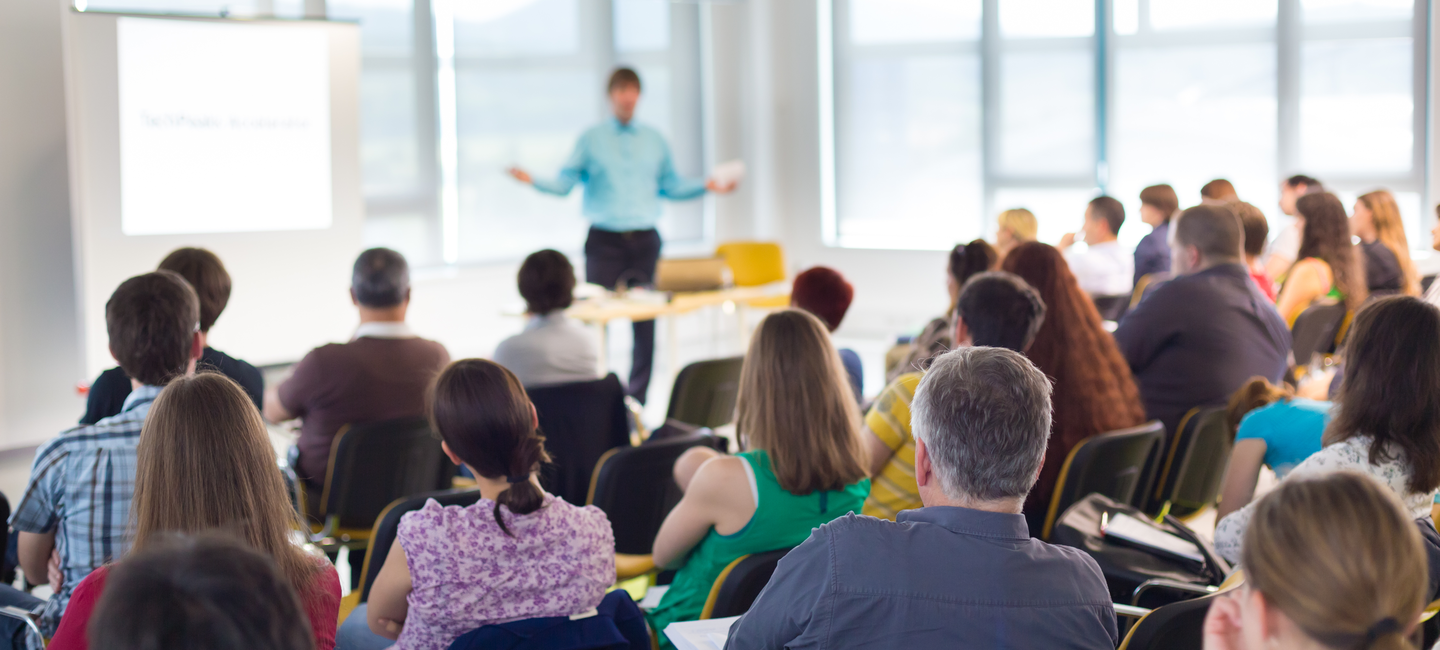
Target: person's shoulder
{"x":1084,"y":568}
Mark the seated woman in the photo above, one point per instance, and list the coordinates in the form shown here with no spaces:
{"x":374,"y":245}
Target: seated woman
{"x":1272,"y":427}
{"x":1388,"y":269}
{"x":517,"y":553}
{"x":1329,"y":266}
{"x":1014,"y":227}
{"x":803,"y":467}
{"x":553,"y":348}
{"x":825,"y":293}
{"x":1331,"y":562}
{"x":937,"y":338}
{"x":1386,"y":422}
{"x":205,"y":463}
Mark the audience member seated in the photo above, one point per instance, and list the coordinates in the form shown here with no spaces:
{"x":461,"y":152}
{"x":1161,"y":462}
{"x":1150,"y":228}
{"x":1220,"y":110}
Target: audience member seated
{"x":207,"y":275}
{"x":803,"y":465}
{"x":1388,"y":269}
{"x":1285,"y":249}
{"x":1386,"y":422}
{"x":995,"y":309}
{"x":1105,"y":268}
{"x":1329,"y":268}
{"x":1014,"y":227}
{"x":1200,"y":336}
{"x":1272,"y":427}
{"x":1257,"y":231}
{"x":1094,"y":391}
{"x":517,"y":553}
{"x":554,"y":348}
{"x":75,"y":514}
{"x":823,"y":292}
{"x":1330,"y":562}
{"x":1158,"y":204}
{"x":381,"y":374}
{"x":1218,"y":192}
{"x":935,"y":340}
{"x":205,"y":464}
{"x":961,"y":572}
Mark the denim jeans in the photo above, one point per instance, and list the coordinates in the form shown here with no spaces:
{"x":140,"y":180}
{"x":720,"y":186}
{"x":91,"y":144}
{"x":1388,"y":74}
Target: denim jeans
{"x":355,"y":634}
{"x":13,"y":632}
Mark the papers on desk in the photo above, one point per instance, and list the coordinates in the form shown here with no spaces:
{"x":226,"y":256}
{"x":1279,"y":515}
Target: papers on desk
{"x":700,"y":635}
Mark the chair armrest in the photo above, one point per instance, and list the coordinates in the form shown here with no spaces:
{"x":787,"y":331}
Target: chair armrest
{"x":1130,"y":610}
{"x":631,"y":566}
{"x":1171,"y":584}
{"x":640,"y":434}
{"x":29,"y":618}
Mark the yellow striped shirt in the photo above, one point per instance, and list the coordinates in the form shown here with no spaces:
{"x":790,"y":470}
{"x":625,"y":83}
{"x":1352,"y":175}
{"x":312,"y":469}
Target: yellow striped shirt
{"x":889,"y":419}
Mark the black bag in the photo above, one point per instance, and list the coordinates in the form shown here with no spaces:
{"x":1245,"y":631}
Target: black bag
{"x":1127,"y":567}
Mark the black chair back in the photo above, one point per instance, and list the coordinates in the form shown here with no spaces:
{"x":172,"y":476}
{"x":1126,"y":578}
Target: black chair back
{"x":740,"y":584}
{"x":581,"y":422}
{"x":705,"y":391}
{"x":1112,"y":464}
{"x":1315,"y":331}
{"x":635,"y":486}
{"x":1194,"y":464}
{"x":382,"y":536}
{"x":375,"y":463}
{"x":1111,"y":307}
{"x":1176,"y":626}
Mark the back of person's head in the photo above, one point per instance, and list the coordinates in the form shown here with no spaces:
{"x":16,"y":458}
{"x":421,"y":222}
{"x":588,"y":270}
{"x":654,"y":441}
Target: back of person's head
{"x":1111,"y":210}
{"x":485,"y":417}
{"x":1001,"y":311}
{"x":1256,"y":392}
{"x":1326,"y":236}
{"x":1256,"y":226}
{"x":205,"y":462}
{"x":1312,"y":185}
{"x":823,"y":292}
{"x":1392,"y":375}
{"x":210,"y":593}
{"x":1213,"y":230}
{"x":1219,"y":190}
{"x":1338,"y":555}
{"x":547,"y":282}
{"x":1161,"y":197}
{"x":1390,"y":231}
{"x":206,"y":275}
{"x":984,"y":415}
{"x":622,"y":77}
{"x":969,"y":259}
{"x":381,"y":279}
{"x":1020,"y":222}
{"x":796,"y":404}
{"x":151,"y":320}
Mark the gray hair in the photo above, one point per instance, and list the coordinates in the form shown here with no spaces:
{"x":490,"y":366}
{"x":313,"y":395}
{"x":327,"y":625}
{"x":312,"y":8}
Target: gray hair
{"x":381,"y":278}
{"x":984,"y":415}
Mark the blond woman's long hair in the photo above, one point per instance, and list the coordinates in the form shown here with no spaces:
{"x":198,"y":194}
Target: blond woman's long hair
{"x":1021,"y":222}
{"x":1390,"y":230}
{"x":1339,"y":555}
{"x":204,"y":462}
{"x":796,"y":404}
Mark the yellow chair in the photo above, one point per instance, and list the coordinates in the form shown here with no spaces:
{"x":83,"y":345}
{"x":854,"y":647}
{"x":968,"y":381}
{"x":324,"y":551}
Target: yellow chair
{"x":753,"y":264}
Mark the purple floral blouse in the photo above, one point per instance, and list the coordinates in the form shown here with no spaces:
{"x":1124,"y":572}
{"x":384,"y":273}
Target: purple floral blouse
{"x":467,"y":573}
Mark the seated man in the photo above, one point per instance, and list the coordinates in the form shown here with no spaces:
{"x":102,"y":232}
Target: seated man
{"x":961,"y":572}
{"x":993,"y":309}
{"x":1199,"y":337}
{"x":554,"y":348}
{"x":77,"y":504}
{"x":823,"y":292}
{"x":1105,"y":268}
{"x":207,"y":275}
{"x":381,"y":374}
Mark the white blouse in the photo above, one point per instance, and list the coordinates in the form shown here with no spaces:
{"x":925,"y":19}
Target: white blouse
{"x":1352,"y":454}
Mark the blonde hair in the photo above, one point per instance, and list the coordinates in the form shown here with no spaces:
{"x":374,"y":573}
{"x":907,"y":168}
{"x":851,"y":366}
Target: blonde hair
{"x":1339,"y":555}
{"x":204,"y":462}
{"x":1390,"y":230}
{"x":796,"y":404}
{"x":1021,"y":222}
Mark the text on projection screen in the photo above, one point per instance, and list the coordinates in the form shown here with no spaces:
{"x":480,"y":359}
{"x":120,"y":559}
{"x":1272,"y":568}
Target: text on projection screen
{"x":223,"y":127}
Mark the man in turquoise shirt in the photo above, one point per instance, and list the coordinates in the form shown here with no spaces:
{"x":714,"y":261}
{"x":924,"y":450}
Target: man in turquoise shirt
{"x":626,"y":168}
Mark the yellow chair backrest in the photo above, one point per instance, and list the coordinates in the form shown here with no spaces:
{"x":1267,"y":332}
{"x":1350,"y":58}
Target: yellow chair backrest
{"x":753,"y":263}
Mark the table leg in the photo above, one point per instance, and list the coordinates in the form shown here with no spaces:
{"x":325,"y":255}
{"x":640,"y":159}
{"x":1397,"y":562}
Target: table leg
{"x":603,"y":329}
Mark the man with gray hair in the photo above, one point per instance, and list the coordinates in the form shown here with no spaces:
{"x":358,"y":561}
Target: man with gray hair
{"x":961,"y":572}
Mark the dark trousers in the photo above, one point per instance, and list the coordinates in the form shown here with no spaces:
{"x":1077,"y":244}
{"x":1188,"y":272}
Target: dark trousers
{"x":628,"y":259}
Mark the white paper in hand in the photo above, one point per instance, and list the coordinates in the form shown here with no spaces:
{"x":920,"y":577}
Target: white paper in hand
{"x":728,"y":172}
{"x":709,"y":634}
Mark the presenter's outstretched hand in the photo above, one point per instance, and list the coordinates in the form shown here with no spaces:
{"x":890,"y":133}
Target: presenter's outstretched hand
{"x":719,"y":188}
{"x":520,"y":175}
{"x":1067,"y":240}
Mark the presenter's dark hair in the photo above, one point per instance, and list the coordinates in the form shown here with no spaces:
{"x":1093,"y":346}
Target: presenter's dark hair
{"x":209,"y":592}
{"x":151,"y":320}
{"x":206,"y":274}
{"x":381,"y":278}
{"x":1212,"y":229}
{"x":1001,"y":311}
{"x":1109,"y":209}
{"x":547,"y":282}
{"x":622,"y":77}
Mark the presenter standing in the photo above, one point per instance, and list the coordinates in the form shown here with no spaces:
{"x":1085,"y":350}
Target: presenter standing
{"x":626,"y":169}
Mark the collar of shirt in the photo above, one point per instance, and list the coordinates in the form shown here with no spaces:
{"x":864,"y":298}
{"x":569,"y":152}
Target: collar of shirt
{"x":967,"y":521}
{"x":140,"y":397}
{"x":538,"y":321}
{"x":622,"y":127}
{"x":384,"y":330}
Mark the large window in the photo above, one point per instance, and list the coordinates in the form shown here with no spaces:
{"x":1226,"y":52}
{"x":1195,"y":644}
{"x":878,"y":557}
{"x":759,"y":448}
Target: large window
{"x":947,"y":111}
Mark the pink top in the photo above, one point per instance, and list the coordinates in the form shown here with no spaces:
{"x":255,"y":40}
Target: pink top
{"x":467,"y":573}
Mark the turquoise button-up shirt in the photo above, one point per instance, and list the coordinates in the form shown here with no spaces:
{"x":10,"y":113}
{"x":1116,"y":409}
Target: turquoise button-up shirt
{"x":626,"y":169}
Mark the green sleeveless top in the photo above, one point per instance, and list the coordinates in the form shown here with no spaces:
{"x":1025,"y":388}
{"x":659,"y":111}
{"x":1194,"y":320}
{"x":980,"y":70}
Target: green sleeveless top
{"x":781,"y":520}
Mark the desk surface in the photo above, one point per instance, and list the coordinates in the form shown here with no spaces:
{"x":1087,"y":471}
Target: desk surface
{"x":601,"y":310}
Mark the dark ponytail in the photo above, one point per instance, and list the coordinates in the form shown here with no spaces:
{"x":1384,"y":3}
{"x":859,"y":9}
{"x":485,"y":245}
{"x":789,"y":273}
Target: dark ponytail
{"x":971,"y":259}
{"x":485,"y":417}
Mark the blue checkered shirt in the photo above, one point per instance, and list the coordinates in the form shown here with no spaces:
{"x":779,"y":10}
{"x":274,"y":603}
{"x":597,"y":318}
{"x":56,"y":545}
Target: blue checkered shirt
{"x":80,"y":489}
